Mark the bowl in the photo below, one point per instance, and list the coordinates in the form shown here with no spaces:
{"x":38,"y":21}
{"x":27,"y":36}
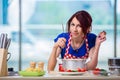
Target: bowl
{"x":73,"y":64}
{"x":31,"y":73}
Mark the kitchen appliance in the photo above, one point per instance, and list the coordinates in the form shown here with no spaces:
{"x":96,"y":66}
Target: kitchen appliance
{"x":114,"y":66}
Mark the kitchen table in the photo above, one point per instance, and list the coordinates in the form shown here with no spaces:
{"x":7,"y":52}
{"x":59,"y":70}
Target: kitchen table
{"x":57,"y":76}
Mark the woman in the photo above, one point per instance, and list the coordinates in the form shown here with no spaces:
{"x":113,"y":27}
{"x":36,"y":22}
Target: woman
{"x":78,"y":42}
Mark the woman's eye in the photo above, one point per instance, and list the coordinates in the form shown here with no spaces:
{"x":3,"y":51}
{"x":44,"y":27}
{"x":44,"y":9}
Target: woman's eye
{"x":72,"y":24}
{"x":78,"y":26}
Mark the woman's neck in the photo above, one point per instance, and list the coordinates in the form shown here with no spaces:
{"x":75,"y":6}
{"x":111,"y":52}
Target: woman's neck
{"x":77,"y":40}
{"x":77,"y":43}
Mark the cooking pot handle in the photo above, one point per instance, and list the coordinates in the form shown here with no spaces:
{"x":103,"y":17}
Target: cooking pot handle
{"x":59,"y":60}
{"x":87,"y":60}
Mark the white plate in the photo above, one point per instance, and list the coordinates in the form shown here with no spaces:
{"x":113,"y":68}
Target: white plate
{"x":71,"y":73}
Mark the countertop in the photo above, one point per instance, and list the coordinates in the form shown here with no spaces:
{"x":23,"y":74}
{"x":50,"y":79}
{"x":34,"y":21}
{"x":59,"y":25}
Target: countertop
{"x":58,"y":76}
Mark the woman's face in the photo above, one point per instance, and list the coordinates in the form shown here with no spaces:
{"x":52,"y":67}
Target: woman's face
{"x":76,"y":29}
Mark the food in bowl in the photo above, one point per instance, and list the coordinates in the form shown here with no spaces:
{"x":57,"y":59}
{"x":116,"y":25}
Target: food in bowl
{"x":34,"y":70}
{"x":33,"y":67}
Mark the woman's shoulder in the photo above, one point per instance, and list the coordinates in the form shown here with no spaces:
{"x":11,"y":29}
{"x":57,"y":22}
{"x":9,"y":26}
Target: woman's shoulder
{"x":91,"y":35}
{"x":91,"y":39}
{"x":65,"y":35}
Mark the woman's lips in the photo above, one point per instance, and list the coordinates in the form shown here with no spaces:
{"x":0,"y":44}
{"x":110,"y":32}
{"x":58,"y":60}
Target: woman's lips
{"x":74,"y":34}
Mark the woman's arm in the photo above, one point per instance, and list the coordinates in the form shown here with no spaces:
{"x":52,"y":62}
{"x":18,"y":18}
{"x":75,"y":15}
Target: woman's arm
{"x":52,"y":60}
{"x":93,"y":54}
{"x":55,"y":53}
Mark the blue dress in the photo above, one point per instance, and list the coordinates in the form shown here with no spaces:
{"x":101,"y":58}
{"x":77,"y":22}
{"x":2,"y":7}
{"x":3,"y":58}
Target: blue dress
{"x":82,"y":50}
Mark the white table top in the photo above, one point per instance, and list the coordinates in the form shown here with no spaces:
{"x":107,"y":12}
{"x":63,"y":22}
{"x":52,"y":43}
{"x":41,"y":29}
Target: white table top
{"x":57,"y":76}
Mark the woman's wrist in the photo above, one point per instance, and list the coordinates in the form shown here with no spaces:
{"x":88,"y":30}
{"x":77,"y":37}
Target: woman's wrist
{"x":97,"y":44}
{"x":55,"y":45}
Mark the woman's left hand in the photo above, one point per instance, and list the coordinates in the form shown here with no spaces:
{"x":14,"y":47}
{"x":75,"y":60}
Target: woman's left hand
{"x":101,"y":37}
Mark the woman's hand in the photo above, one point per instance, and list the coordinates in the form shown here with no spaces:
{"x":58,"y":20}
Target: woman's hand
{"x":55,"y":53}
{"x":60,"y":43}
{"x":101,"y":37}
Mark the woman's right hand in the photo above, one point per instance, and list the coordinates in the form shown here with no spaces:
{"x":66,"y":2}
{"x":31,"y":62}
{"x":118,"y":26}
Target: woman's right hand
{"x":55,"y":53}
{"x":60,"y":43}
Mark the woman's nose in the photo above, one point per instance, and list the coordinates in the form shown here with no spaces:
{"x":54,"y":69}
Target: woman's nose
{"x":75,"y":28}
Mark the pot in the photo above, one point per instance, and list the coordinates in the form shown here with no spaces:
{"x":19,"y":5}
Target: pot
{"x":114,"y":66}
{"x":114,"y":62}
{"x":73,"y":64}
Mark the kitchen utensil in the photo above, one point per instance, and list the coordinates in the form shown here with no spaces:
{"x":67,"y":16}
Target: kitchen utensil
{"x":8,"y":43}
{"x":114,"y":61}
{"x":114,"y":70}
{"x":3,"y":62}
{"x":1,"y":40}
{"x":8,"y":56}
{"x":73,"y":64}
{"x":4,"y":41}
{"x":114,"y":65}
{"x":62,"y":28}
{"x":4,"y":44}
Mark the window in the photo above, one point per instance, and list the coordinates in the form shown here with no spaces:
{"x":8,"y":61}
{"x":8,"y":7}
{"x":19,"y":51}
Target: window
{"x":118,"y":27}
{"x":42,"y":22}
